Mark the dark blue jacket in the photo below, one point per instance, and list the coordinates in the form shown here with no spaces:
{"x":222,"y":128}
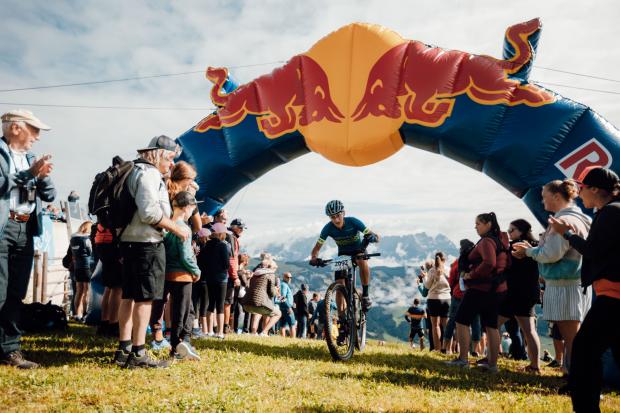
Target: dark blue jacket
{"x":45,"y":190}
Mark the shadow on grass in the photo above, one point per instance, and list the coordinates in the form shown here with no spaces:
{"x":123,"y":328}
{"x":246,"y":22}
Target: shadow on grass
{"x":400,"y":369}
{"x":77,"y":345}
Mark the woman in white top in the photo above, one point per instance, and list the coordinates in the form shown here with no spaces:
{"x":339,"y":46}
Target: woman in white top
{"x":438,"y":299}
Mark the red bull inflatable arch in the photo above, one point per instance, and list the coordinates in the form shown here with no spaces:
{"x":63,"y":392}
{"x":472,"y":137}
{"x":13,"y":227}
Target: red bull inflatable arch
{"x":363,"y":92}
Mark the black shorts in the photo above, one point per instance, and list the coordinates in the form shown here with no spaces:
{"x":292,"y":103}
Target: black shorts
{"x":82,"y":275}
{"x":200,"y":298}
{"x":230,"y":292}
{"x":517,"y":306}
{"x":144,"y":266}
{"x":480,"y":302}
{"x":416,"y":332}
{"x":217,"y":292}
{"x":437,"y":308}
{"x":111,"y":268}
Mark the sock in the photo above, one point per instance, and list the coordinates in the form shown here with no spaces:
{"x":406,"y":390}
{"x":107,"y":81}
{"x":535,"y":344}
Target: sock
{"x":365,"y":290}
{"x":125,"y":346}
{"x":139,"y":350}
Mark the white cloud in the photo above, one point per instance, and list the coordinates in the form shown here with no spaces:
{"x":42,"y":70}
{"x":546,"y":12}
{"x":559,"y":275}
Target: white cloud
{"x":46,"y":43}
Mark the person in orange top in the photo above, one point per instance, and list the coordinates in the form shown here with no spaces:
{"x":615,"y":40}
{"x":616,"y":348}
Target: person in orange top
{"x":598,"y":188}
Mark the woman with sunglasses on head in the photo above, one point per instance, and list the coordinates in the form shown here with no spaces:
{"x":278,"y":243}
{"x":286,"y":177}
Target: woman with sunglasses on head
{"x":486,"y":289}
{"x":523,"y":293}
{"x":599,"y":189}
{"x":564,"y":303}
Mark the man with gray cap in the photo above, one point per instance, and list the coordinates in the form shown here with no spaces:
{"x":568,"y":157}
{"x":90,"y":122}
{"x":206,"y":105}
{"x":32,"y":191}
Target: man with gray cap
{"x":142,"y":249}
{"x":24,"y":183}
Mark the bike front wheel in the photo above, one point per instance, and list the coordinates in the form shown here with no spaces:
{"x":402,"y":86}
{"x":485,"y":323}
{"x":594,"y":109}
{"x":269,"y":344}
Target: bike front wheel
{"x":360,"y":323}
{"x":340,"y":328}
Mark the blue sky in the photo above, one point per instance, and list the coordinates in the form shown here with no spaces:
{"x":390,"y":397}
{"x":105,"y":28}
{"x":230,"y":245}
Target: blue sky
{"x":73,"y":41}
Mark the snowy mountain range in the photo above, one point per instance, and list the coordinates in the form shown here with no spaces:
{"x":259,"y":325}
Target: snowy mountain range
{"x":396,"y":251}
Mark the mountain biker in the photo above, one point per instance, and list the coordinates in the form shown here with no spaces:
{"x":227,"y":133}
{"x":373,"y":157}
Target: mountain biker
{"x":345,"y":231}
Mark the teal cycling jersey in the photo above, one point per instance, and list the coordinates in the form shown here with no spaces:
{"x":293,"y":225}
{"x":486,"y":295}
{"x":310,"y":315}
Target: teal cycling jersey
{"x":347,"y":238}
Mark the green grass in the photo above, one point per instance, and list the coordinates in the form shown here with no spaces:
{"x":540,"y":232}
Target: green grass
{"x":269,"y":374}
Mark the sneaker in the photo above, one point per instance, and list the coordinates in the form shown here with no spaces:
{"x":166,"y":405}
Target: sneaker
{"x":554,"y":364}
{"x":486,"y":367}
{"x":482,"y":361}
{"x":474,"y":354}
{"x":458,"y":363}
{"x":226,"y":329}
{"x":161,"y":345}
{"x":120,"y":358}
{"x":144,"y":361}
{"x":220,"y":336}
{"x":263,"y":335}
{"x":366,"y":303}
{"x":186,"y":351}
{"x":16,"y":359}
{"x":197,"y":333}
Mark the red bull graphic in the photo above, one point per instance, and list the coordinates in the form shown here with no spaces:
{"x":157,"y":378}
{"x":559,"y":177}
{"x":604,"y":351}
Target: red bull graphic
{"x":361,"y":93}
{"x":429,"y":78}
{"x":294,"y":95}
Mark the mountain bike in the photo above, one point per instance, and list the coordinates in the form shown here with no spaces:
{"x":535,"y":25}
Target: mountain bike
{"x":345,"y":330}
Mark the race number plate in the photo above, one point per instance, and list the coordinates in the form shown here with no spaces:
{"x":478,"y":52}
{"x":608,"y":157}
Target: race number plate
{"x":341,"y":263}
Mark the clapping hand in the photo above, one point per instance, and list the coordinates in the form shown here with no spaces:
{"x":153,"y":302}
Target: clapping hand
{"x":520,"y":248}
{"x":560,"y":226}
{"x":42,"y":167}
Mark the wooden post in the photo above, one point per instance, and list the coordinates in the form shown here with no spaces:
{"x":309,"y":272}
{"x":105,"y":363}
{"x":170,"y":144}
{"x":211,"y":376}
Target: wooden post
{"x":36,"y":277}
{"x":44,"y":279}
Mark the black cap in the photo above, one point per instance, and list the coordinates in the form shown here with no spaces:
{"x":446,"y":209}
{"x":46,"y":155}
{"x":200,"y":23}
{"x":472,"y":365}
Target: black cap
{"x":238,"y":222}
{"x":304,"y":287}
{"x":161,"y":142}
{"x":183,"y":199}
{"x":601,"y":178}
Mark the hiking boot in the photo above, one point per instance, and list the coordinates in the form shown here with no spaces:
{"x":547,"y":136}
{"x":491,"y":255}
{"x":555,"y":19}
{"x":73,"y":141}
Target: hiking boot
{"x":458,"y":363}
{"x":144,"y":361}
{"x":366,"y":303}
{"x":16,"y":359}
{"x":186,"y":351}
{"x":120,"y":358}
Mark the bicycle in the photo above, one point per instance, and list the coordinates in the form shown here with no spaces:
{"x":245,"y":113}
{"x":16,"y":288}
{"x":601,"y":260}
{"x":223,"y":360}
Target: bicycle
{"x":347,"y":331}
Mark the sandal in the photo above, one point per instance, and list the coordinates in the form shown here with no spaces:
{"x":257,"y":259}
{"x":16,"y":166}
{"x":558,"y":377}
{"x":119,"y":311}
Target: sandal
{"x":531,"y":369}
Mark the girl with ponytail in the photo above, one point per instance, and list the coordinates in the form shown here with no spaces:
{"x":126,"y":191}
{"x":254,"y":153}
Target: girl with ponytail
{"x":438,"y":299}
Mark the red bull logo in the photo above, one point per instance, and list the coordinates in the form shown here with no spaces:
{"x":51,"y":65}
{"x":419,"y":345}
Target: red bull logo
{"x":429,"y":78}
{"x":590,"y":154}
{"x":293,"y":96}
{"x":352,"y":91}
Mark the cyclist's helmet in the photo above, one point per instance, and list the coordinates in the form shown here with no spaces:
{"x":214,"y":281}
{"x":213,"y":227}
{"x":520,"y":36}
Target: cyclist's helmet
{"x":333,"y":207}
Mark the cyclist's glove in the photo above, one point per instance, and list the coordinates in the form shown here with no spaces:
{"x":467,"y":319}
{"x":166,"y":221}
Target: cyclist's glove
{"x":372,"y":238}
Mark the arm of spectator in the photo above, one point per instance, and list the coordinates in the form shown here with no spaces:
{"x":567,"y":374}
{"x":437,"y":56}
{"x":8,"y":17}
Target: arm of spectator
{"x":552,"y":251}
{"x":188,"y":260}
{"x":147,"y":199}
{"x":196,"y":222}
{"x":601,"y":241}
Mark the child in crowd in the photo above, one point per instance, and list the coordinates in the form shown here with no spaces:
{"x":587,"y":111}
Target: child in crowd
{"x":414,"y":316}
{"x":181,"y":272}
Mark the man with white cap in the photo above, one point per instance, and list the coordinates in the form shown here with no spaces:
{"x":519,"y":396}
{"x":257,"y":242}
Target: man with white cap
{"x":143,"y":252}
{"x":24,"y":183}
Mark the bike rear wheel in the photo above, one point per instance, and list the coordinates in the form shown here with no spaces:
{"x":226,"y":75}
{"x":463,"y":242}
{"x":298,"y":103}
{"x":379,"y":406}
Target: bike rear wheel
{"x":339,"y":329}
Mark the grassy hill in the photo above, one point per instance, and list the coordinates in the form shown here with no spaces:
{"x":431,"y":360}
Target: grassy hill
{"x":271,"y":374}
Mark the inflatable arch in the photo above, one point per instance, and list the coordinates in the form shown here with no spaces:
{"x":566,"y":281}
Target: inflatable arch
{"x":362,"y":92}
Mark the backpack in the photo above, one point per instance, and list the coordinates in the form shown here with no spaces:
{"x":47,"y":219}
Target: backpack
{"x":109,"y":196}
{"x":38,"y":317}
